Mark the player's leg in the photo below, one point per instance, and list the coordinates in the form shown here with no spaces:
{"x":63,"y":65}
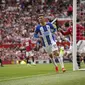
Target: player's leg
{"x":53,"y":61}
{"x":79,"y":60}
{"x":48,"y":49}
{"x":32,"y":58}
{"x":59,"y":55}
{"x":27,"y":58}
{"x":55,"y":52}
{"x":60,"y":58}
{"x":84,"y":58}
{"x":1,"y":63}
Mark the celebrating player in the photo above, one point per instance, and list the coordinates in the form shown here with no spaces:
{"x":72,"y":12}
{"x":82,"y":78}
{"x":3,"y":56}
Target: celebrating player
{"x":45,"y":32}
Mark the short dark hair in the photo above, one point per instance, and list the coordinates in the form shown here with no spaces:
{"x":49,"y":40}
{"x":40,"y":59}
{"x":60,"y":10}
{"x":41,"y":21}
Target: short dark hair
{"x":67,"y":24}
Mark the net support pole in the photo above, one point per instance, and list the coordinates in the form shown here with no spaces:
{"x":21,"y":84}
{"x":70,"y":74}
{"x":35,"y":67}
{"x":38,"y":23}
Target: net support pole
{"x":75,"y":66}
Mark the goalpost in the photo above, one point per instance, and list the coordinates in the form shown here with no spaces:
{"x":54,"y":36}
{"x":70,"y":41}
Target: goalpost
{"x":74,"y":53}
{"x":75,"y":66}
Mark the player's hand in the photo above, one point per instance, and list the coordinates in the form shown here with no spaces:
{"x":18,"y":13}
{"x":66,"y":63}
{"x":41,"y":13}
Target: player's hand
{"x":59,"y":29}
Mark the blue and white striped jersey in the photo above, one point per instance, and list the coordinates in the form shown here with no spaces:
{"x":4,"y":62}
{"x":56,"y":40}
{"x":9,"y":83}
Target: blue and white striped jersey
{"x":46,"y":32}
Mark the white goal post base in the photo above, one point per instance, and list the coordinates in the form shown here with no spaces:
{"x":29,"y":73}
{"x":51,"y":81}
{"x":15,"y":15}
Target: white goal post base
{"x":83,"y":69}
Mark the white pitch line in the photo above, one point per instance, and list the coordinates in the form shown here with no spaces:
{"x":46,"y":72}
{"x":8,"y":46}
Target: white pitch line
{"x":15,"y":78}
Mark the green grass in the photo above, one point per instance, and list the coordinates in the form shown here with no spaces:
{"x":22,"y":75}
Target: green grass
{"x":41,"y":74}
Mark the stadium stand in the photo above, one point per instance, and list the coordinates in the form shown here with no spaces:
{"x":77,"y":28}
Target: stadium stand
{"x":18,"y":19}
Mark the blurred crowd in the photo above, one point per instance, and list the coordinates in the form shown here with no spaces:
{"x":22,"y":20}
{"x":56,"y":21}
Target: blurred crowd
{"x":18,"y":19}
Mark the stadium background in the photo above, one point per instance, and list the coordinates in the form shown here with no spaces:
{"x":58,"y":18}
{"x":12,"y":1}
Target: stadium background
{"x":18,"y":19}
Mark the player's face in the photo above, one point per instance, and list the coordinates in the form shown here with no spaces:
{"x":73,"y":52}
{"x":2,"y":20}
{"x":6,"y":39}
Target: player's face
{"x":41,"y":19}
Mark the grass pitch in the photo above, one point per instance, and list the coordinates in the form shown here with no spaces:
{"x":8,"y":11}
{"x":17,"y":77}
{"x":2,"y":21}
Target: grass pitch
{"x":41,"y":74}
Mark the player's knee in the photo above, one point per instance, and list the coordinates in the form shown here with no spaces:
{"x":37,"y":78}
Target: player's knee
{"x":51,"y":56}
{"x":56,"y":53}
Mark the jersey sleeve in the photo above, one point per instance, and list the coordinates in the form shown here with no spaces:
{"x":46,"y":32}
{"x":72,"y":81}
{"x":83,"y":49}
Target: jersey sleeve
{"x":36,"y":32}
{"x":69,"y":31}
{"x":52,"y":27}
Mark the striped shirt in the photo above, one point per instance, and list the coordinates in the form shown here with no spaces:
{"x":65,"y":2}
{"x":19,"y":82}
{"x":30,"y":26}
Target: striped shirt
{"x":46,"y":32}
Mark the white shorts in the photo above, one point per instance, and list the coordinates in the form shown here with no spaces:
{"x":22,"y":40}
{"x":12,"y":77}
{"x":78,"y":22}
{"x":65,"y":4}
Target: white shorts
{"x":30,"y":53}
{"x":50,"y":48}
{"x":81,"y":46}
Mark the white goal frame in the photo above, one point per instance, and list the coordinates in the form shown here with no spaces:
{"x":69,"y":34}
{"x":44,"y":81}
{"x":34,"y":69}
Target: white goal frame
{"x":75,"y":66}
{"x":74,"y":53}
